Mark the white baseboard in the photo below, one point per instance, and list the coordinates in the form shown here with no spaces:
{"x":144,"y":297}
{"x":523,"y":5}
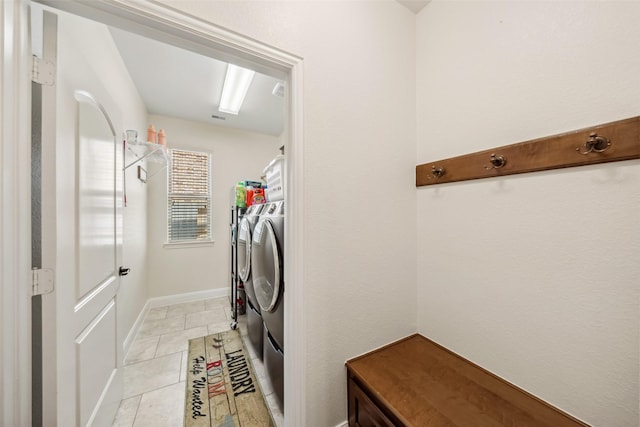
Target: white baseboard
{"x":167,"y":300}
{"x":188,"y":297}
{"x":126,"y":345}
{"x":107,"y":407}
{"x":343,"y":424}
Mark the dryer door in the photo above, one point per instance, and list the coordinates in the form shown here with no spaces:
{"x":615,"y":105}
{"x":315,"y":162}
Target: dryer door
{"x":244,"y":249}
{"x":267,"y":265}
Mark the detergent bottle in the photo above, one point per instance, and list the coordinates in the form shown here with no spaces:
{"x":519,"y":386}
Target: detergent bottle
{"x":249,"y":197}
{"x":241,"y":195}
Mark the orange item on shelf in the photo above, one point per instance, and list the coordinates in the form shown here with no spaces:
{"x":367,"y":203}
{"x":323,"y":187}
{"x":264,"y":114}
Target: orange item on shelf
{"x":162,"y":137}
{"x":151,"y":134}
{"x":258,"y":197}
{"x":250,"y":192}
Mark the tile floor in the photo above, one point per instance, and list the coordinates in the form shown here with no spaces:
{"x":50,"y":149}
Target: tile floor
{"x":155,"y":367}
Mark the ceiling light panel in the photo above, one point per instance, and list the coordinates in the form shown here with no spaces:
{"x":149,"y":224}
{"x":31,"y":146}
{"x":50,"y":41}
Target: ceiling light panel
{"x":236,"y":85}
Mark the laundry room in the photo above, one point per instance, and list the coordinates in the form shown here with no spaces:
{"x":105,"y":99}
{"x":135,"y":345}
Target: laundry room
{"x":181,"y":152}
{"x":413,"y":231}
{"x":182,"y":93}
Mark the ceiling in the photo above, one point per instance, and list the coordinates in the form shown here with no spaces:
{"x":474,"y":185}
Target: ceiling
{"x":414,"y":5}
{"x":179,"y":83}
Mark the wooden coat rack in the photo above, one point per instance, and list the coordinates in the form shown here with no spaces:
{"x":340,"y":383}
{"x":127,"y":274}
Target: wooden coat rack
{"x":610,"y":142}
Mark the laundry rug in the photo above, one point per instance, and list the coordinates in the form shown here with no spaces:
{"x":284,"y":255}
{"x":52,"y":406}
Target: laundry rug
{"x":222,"y":390}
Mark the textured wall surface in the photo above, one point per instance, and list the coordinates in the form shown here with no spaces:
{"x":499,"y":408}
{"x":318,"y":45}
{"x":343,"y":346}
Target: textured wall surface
{"x":534,"y":277}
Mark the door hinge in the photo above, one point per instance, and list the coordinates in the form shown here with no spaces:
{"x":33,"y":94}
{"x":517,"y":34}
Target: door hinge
{"x":43,"y":71}
{"x":42,"y":281}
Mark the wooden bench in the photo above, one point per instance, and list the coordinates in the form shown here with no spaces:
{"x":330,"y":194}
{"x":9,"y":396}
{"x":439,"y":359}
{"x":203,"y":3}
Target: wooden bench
{"x":416,"y":382}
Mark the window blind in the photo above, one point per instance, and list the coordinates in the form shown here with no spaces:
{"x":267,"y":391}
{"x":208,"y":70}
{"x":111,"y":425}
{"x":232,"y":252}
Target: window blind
{"x":189,"y":196}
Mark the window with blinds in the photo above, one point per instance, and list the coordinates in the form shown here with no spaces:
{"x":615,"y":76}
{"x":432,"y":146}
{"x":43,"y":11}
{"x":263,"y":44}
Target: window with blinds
{"x":189,"y":197}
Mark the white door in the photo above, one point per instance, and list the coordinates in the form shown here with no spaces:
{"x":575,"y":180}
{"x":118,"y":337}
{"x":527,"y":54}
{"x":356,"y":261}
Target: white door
{"x":82,"y":192}
{"x":93,"y":343}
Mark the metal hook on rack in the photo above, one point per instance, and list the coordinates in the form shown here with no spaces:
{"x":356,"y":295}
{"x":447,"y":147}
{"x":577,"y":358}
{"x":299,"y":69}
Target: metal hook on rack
{"x":437,"y":172}
{"x":497,"y":162}
{"x":595,"y":143}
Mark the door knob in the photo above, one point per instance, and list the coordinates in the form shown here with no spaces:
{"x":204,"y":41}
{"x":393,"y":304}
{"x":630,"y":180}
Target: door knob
{"x":123,"y":271}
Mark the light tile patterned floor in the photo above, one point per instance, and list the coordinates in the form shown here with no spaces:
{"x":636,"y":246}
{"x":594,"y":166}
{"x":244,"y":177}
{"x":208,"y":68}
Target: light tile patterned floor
{"x":155,"y":367}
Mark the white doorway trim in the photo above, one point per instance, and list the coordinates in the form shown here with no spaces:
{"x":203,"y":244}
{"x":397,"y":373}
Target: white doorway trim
{"x":165,"y":24}
{"x":15,"y":215}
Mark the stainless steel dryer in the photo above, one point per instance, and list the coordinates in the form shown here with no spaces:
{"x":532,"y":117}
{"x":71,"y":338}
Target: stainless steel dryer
{"x":254,"y":318}
{"x":267,"y":257}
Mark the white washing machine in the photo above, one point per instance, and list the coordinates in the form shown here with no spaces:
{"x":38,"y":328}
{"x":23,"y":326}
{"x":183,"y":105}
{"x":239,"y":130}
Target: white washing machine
{"x":267,"y":257}
{"x":254,"y":318}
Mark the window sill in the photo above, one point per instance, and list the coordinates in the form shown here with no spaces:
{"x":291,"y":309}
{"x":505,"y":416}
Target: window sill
{"x":189,"y":244}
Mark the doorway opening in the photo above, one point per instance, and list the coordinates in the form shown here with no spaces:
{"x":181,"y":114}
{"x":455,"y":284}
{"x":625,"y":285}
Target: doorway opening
{"x":174,"y":28}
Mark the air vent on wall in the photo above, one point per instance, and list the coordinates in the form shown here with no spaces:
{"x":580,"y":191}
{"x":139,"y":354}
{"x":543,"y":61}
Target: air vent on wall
{"x":213,"y":116}
{"x":278,"y":90}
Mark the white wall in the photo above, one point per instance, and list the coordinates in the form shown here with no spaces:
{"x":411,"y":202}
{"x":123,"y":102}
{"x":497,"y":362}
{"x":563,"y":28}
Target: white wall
{"x":236,"y":155}
{"x":359,"y":150}
{"x":133,"y":292}
{"x":534,"y":277}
